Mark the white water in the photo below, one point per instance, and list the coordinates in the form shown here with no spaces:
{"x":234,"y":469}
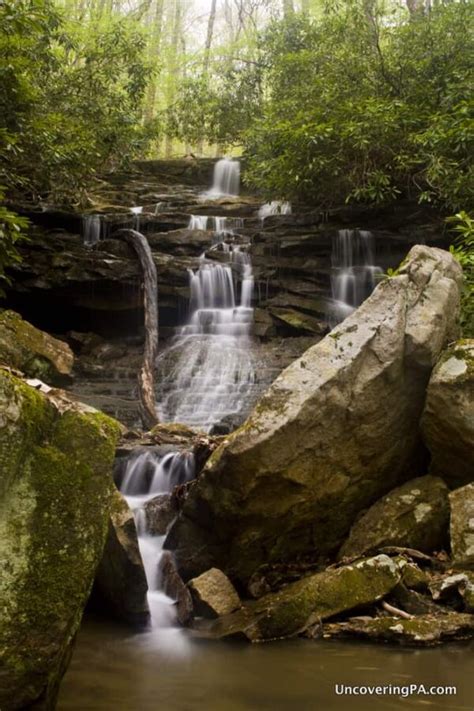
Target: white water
{"x":91,"y":229}
{"x":226,"y":180}
{"x":221,"y":226}
{"x":354,"y":272}
{"x":276,"y":207}
{"x":136,"y":211}
{"x":207,"y":372}
{"x":147,"y":475}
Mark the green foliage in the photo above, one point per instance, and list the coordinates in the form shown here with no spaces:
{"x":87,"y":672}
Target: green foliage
{"x":463,"y":250}
{"x":70,"y":98}
{"x":365,"y":103}
{"x":216,"y":108}
{"x":12,"y":228}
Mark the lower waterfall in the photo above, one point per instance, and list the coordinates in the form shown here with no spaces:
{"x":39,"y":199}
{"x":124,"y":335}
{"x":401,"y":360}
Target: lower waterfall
{"x":146,"y":476}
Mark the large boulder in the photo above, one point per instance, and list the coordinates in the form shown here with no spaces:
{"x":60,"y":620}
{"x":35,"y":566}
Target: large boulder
{"x":414,"y":515}
{"x":55,"y":491}
{"x":213,"y":594}
{"x":32,"y":351}
{"x":448,"y":418}
{"x":336,"y":430}
{"x":462,"y":526}
{"x":121,"y":579}
{"x":318,"y":597}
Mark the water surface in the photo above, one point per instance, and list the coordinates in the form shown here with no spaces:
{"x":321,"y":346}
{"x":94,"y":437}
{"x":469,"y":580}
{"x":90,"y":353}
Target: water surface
{"x":114,"y":669}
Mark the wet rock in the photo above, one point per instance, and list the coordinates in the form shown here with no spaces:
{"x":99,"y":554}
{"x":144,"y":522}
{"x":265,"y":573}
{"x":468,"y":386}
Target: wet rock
{"x":413,"y":602}
{"x":317,"y":597}
{"x":34,"y":352}
{"x":422,"y":631}
{"x":412,"y":575}
{"x":160,"y":512}
{"x":337,"y":429}
{"x":415,"y":515}
{"x":462,"y":526}
{"x":448,"y":418}
{"x":213,"y":594}
{"x":298,"y":322}
{"x":121,"y":579}
{"x":173,"y":586}
{"x":55,"y":495}
{"x":453,"y":587}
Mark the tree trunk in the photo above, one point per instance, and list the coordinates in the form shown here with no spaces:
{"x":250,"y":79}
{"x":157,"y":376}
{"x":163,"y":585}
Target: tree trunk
{"x":172,"y":69}
{"x":154,"y":48}
{"x":415,"y":7}
{"x":207,"y":55}
{"x":146,"y":378}
{"x":288,"y":9}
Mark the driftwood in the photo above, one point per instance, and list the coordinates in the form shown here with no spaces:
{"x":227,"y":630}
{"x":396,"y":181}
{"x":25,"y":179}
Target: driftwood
{"x":146,"y":379}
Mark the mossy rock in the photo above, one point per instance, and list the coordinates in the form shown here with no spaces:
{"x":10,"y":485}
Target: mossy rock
{"x":414,"y":515}
{"x":34,"y":352}
{"x":316,"y":597}
{"x":421,"y":631}
{"x":448,"y":417}
{"x":461,"y":526}
{"x":55,"y":492}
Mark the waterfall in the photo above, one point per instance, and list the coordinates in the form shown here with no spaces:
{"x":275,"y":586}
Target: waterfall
{"x":207,"y":372}
{"x":91,"y":229}
{"x":146,"y":476}
{"x":276,"y":207}
{"x":136,"y":211}
{"x":354,"y":272}
{"x":226,"y":180}
{"x":221,"y":226}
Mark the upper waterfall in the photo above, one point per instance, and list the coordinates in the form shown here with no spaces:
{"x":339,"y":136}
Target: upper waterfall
{"x":226,"y":180}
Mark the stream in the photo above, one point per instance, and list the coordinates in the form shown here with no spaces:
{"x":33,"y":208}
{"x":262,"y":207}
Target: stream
{"x":114,"y":669}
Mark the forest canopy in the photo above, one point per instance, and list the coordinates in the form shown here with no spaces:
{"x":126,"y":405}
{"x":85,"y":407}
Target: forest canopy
{"x":329,"y":102}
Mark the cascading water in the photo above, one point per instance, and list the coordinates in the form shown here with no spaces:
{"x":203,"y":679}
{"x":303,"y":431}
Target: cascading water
{"x":354,"y":272}
{"x":136,"y":211}
{"x":226,"y":180}
{"x":208,"y":372}
{"x":276,"y":207}
{"x":221,"y":226}
{"x":91,"y":229}
{"x":148,"y":475}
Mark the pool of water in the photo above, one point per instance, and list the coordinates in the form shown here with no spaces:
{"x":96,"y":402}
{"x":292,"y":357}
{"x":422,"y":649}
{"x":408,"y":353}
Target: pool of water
{"x":115,"y":669}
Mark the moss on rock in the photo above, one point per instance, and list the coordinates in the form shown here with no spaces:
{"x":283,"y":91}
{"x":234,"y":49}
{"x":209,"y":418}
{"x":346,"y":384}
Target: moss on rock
{"x":32,"y":351}
{"x":54,"y":501}
{"x":316,"y":597}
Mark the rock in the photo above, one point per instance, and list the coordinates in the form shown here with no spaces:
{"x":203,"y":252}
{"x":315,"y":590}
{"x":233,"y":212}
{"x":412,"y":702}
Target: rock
{"x":160,"y":512}
{"x":121,"y":579}
{"x":415,"y":515}
{"x":55,"y":493}
{"x":337,"y":429}
{"x":173,"y":586}
{"x":422,"y":631}
{"x":412,"y":576}
{"x":448,"y":418}
{"x":462,"y":526}
{"x":32,"y":351}
{"x":317,"y":597}
{"x":412,"y":602}
{"x":213,"y":594}
{"x":453,"y":587}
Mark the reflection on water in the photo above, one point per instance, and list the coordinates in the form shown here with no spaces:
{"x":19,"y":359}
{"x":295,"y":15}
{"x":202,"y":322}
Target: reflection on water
{"x":115,"y":670}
